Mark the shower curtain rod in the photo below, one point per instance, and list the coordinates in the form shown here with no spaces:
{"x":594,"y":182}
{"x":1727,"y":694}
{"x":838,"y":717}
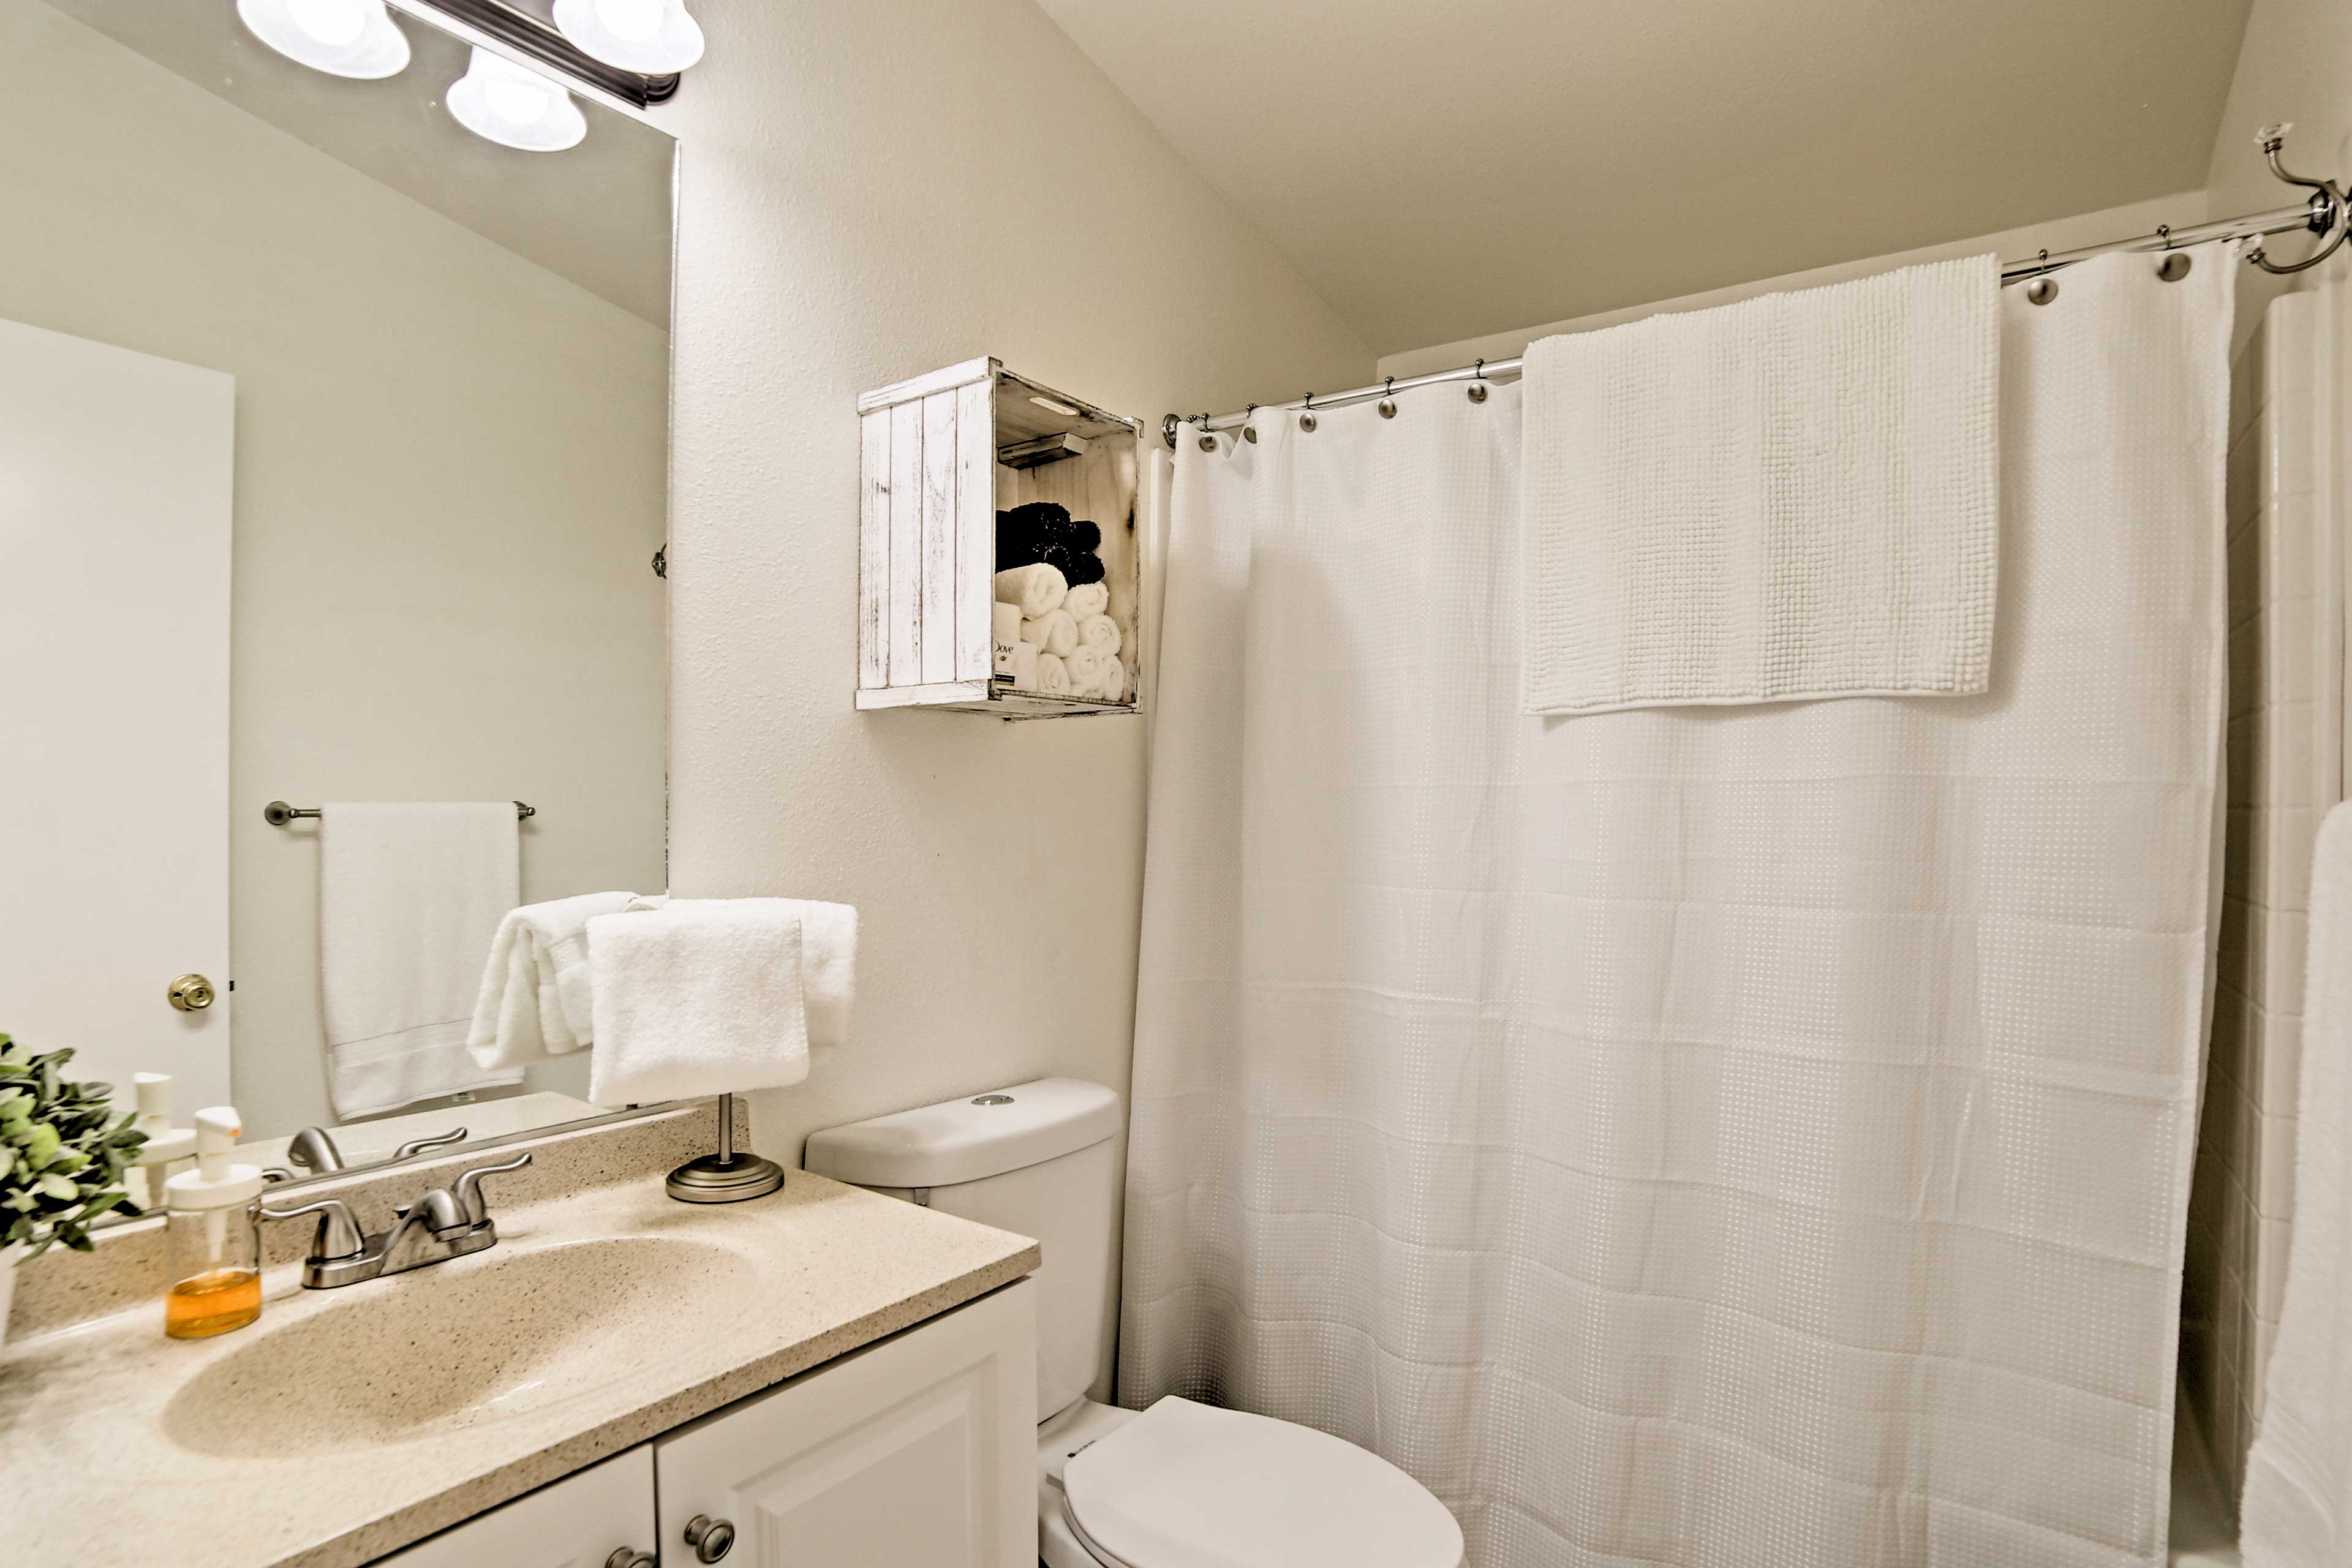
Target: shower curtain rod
{"x":2326,"y":210}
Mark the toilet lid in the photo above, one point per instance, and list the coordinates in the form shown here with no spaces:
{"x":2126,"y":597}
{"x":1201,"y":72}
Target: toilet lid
{"x":1191,"y":1485}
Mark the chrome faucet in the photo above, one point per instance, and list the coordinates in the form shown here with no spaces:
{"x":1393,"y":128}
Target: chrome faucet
{"x":445,"y":1223}
{"x":313,"y":1150}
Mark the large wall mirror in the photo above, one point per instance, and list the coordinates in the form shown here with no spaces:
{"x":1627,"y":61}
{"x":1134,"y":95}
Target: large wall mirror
{"x":334,"y":468}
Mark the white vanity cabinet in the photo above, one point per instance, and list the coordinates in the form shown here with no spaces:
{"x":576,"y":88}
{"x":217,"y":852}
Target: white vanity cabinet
{"x":917,"y":1451}
{"x":580,"y":1521}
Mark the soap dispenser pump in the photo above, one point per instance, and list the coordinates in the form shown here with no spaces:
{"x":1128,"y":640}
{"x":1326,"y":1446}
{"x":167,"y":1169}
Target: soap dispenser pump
{"x":212,"y":1234}
{"x":167,"y":1145}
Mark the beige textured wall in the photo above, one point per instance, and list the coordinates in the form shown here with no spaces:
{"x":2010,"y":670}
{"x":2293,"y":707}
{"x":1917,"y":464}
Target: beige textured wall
{"x":449,"y":479}
{"x":870,"y":191}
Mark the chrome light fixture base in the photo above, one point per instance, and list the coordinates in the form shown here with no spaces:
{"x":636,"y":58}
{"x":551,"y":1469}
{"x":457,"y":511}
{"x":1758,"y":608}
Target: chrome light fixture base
{"x":527,"y":27}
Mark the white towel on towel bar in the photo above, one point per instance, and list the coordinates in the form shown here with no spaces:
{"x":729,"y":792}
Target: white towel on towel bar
{"x":535,"y":1003}
{"x":697,"y":996}
{"x":1792,"y":497}
{"x":410,"y":895}
{"x":828,"y":959}
{"x":2298,"y":1501}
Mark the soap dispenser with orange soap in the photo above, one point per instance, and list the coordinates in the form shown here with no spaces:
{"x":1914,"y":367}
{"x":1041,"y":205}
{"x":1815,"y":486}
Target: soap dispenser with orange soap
{"x":212,"y":1234}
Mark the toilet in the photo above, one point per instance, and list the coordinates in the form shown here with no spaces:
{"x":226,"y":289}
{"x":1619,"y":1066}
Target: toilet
{"x":1182,"y":1485}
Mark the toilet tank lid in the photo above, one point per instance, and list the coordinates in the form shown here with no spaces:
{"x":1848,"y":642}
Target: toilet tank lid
{"x":968,"y":1139}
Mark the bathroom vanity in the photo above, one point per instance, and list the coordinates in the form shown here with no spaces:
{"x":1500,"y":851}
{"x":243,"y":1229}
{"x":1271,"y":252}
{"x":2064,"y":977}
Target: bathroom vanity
{"x":913,"y":1450}
{"x":824,"y":1375}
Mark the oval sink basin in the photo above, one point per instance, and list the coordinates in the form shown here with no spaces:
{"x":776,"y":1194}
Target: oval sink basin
{"x":451,"y":1345}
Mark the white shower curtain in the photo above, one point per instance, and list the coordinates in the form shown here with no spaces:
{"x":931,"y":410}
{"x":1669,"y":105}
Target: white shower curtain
{"x":1744,"y":1136}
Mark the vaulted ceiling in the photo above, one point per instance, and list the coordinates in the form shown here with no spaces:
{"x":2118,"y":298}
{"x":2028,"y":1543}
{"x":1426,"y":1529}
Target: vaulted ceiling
{"x":1444,"y":168}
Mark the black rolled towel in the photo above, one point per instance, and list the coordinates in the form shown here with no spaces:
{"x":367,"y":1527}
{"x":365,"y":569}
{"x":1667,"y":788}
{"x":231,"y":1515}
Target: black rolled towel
{"x":1061,"y":558}
{"x":1017,"y":541}
{"x":1085,"y":535}
{"x":1084,"y":567}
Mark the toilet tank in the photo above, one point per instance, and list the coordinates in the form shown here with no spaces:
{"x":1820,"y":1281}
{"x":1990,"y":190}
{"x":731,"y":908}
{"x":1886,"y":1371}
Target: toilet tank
{"x":1040,"y":1159}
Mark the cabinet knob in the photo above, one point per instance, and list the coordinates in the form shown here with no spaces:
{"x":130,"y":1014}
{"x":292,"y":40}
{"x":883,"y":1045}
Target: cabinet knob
{"x":710,"y":1537}
{"x":629,"y":1557}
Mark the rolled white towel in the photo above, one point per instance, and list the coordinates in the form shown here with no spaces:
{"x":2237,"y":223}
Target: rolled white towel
{"x":1086,"y":599}
{"x":1084,"y":665}
{"x":1053,"y":676}
{"x":1112,"y":686}
{"x":1021,"y":664}
{"x":1038,"y":589}
{"x":1054,"y":631}
{"x":1099,"y":633}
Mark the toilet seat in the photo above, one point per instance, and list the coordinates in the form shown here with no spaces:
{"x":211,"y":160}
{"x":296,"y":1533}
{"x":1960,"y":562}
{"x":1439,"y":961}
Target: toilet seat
{"x":1191,"y":1485}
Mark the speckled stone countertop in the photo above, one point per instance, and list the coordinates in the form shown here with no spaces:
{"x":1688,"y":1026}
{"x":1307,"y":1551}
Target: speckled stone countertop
{"x":105,"y":1468}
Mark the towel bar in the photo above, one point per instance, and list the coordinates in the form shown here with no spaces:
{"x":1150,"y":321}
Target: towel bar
{"x":278,"y":814}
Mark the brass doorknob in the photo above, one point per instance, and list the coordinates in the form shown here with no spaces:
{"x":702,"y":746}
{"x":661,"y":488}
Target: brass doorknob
{"x":629,"y":1557}
{"x":190,"y":993}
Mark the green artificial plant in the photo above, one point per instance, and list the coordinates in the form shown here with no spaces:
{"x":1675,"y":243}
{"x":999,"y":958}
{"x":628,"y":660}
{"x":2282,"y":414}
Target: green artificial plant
{"x":63,"y":1151}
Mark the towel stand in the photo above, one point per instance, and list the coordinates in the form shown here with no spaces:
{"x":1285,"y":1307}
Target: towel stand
{"x":278,"y":814}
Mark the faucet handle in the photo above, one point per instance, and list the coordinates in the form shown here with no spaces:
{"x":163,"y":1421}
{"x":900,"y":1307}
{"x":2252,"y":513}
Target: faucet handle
{"x":338,"y":1234}
{"x":415,"y":1146}
{"x":469,"y":1189}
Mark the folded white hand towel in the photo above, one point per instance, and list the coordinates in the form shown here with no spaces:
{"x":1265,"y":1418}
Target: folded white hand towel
{"x":1019,"y":662}
{"x":411,"y":894}
{"x":1789,"y":498}
{"x":1037,"y":588}
{"x":828,"y":958}
{"x":704,"y":996}
{"x":1099,"y":633}
{"x":1085,"y":667}
{"x":1055,"y":631}
{"x":1086,"y":599}
{"x":1053,"y":676}
{"x":2298,"y":1498}
{"x":535,"y":1000}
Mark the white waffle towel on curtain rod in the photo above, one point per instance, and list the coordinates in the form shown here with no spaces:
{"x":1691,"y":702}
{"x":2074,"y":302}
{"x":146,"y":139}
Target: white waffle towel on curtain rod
{"x":2298,"y":1504}
{"x":1792,"y":497}
{"x":1729,"y":1137}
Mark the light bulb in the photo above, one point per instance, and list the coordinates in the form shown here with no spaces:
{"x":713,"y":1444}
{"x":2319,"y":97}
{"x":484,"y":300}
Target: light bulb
{"x":516,"y":102}
{"x":337,"y":23}
{"x":505,"y":103}
{"x":354,"y":39}
{"x":652,"y":37}
{"x":635,"y":20}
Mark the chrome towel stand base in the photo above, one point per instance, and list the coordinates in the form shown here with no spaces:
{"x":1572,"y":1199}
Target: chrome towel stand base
{"x":726,"y":1177}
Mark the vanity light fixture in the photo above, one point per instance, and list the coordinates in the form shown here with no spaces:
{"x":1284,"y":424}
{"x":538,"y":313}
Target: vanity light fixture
{"x":515,"y":107}
{"x":356,"y":38}
{"x":653,"y":37}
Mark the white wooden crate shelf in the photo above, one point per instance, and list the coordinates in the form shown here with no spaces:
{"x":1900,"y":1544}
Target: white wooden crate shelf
{"x":930,"y":486}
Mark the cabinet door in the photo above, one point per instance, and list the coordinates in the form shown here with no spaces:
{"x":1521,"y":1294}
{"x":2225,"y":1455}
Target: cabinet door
{"x":918,"y":1452}
{"x":576,"y":1522}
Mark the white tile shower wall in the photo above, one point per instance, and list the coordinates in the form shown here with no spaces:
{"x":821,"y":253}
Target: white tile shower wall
{"x":2283,"y":768}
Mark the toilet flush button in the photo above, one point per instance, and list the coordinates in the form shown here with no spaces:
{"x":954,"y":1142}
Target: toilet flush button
{"x":992,"y":1100}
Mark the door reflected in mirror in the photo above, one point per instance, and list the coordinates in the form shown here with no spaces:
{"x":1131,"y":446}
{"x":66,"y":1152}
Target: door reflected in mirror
{"x":334,"y":465}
